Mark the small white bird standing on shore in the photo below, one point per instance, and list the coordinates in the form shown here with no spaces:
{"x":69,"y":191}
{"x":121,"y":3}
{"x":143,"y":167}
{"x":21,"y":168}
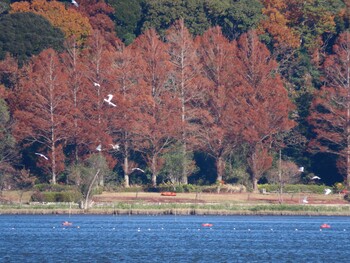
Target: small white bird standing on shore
{"x":305,"y":201}
{"x":96,"y":84}
{"x":315,"y":177}
{"x":327,"y":191}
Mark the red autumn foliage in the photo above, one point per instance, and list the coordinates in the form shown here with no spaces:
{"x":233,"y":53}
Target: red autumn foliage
{"x":43,"y":110}
{"x":330,"y":109}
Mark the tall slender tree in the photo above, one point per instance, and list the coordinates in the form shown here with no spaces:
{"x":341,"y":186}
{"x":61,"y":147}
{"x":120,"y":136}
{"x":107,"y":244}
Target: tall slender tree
{"x":42,"y":112}
{"x":98,"y":60}
{"x":127,"y":77}
{"x":266,"y":101}
{"x":219,"y":127}
{"x":330,"y":110}
{"x":159,"y":123}
{"x":187,"y":80}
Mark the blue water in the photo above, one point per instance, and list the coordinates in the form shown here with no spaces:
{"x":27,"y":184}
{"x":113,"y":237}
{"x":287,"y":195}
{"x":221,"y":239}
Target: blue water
{"x":173,"y":239}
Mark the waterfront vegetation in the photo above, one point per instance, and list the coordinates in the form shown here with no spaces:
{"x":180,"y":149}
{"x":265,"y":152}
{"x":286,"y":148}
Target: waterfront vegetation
{"x":152,"y":203}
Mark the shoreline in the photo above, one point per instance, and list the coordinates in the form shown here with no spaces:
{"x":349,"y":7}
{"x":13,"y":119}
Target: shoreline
{"x":143,"y":203}
{"x":160,"y":212}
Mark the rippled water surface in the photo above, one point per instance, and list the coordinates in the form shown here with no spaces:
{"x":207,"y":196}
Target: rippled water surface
{"x":173,"y":239}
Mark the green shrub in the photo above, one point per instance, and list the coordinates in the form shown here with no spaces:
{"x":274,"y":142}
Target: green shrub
{"x":122,"y":189}
{"x":209,"y":189}
{"x":69,"y":196}
{"x":53,"y":188}
{"x":180,"y":188}
{"x":295,"y":188}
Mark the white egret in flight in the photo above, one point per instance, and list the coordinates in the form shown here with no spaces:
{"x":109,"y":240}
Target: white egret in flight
{"x":315,"y":177}
{"x":96,"y":84}
{"x":115,"y":146}
{"x":99,"y":148}
{"x":40,"y":154}
{"x":138,"y":169}
{"x":75,"y":3}
{"x":108,"y":100}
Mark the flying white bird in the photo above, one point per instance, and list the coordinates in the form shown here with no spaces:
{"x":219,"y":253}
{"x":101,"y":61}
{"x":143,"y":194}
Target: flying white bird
{"x":327,"y":191}
{"x":139,"y":169}
{"x":96,"y":84}
{"x":108,"y":100}
{"x":115,"y":146}
{"x":99,"y":148}
{"x":301,"y":169}
{"x":75,"y":3}
{"x":305,"y":201}
{"x":40,"y":154}
{"x":315,"y":177}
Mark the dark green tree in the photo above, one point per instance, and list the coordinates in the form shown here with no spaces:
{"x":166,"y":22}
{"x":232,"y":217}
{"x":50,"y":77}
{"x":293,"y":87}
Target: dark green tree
{"x":26,"y":34}
{"x":161,"y":14}
{"x":7,"y":144}
{"x":127,"y":16}
{"x":4,"y":6}
{"x":234,"y":16}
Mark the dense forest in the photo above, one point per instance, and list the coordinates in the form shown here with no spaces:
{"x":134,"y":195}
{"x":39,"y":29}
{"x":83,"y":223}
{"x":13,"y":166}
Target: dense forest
{"x":145,"y":92}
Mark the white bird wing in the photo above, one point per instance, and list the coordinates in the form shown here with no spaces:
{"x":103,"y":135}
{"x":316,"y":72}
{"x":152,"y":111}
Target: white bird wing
{"x":75,"y":3}
{"x":99,"y":148}
{"x":115,"y":146}
{"x":139,"y":169}
{"x":96,"y":84}
{"x":112,"y":104}
{"x":40,"y":154}
{"x":315,"y":177}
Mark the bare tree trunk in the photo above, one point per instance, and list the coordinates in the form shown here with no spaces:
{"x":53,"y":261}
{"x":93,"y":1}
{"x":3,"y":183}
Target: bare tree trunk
{"x":348,"y":123}
{"x":255,"y":184}
{"x":184,"y":179}
{"x":53,"y":164}
{"x":126,"y":168}
{"x":154,"y":172}
{"x":220,"y":167}
{"x":87,"y":198}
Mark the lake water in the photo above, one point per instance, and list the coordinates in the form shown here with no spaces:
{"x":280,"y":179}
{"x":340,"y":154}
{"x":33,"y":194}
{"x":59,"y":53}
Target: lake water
{"x":104,"y":238}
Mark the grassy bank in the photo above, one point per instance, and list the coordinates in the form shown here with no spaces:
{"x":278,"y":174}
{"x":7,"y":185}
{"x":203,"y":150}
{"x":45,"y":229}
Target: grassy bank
{"x":179,"y":209}
{"x":186,"y":204}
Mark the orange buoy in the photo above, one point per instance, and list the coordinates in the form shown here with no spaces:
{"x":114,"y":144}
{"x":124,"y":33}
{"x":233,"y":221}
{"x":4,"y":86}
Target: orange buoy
{"x":207,"y":225}
{"x":325,"y":226}
{"x":168,"y":193}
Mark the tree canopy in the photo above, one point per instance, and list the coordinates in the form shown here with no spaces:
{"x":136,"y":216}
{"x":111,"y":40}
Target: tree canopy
{"x":26,"y":34}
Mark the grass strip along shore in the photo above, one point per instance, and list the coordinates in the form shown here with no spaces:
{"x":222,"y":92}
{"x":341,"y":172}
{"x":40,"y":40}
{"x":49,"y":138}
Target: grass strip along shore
{"x":190,"y":204}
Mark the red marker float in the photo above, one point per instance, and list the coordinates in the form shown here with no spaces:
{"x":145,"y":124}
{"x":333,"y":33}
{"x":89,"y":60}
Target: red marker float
{"x":325,"y":226}
{"x":66,"y":223}
{"x":207,"y":225}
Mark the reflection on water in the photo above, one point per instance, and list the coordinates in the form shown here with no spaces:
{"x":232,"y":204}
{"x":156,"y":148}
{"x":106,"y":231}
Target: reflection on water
{"x":173,"y":239}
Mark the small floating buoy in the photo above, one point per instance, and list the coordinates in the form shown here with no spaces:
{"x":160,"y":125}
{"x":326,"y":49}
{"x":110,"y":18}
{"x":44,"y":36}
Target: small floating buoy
{"x":325,"y":226}
{"x":66,"y":223}
{"x":207,"y":225}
